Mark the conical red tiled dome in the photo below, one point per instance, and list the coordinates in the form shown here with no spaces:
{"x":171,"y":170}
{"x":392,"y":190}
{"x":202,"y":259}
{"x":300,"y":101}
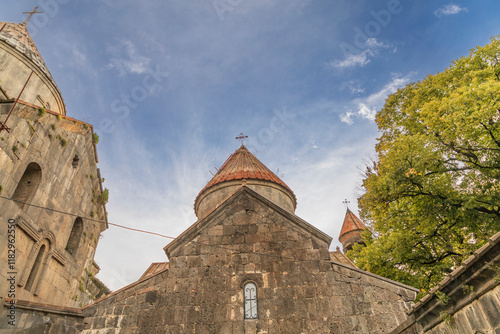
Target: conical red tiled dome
{"x":351,"y":223}
{"x":243,"y":165}
{"x":351,"y":230}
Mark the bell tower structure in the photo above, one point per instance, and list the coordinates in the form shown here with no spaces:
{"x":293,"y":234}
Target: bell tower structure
{"x":52,"y":204}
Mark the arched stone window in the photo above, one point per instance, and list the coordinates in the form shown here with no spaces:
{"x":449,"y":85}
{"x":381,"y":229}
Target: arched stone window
{"x":37,"y":266}
{"x":28,"y":184}
{"x":250,"y":296}
{"x":75,"y":236}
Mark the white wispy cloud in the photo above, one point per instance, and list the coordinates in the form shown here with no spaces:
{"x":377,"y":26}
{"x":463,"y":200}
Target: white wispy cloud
{"x":373,"y":46}
{"x":367,"y":107}
{"x":126,"y":59}
{"x":79,"y":57}
{"x":450,"y":9}
{"x":140,"y":199}
{"x":366,"y":111}
{"x":311,"y":178}
{"x":353,"y":60}
{"x":353,"y":86}
{"x":374,"y":43}
{"x":347,"y":117}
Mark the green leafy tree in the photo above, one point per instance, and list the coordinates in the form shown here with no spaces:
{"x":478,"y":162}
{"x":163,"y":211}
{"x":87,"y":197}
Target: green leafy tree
{"x":433,"y":193}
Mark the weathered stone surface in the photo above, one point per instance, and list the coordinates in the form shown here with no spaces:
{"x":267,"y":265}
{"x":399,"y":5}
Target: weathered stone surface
{"x":40,"y":318}
{"x":20,"y":59}
{"x":299,"y":289}
{"x":38,"y":180}
{"x":62,"y":272}
{"x":472,"y":298}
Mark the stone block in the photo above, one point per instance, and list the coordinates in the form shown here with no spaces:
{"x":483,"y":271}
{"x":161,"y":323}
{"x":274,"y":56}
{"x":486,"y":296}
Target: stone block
{"x":216,"y":230}
{"x":111,"y":322}
{"x":490,"y":307}
{"x":99,"y":322}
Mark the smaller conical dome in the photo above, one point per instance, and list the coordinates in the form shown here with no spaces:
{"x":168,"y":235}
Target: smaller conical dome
{"x":350,"y":233}
{"x":242,"y":168}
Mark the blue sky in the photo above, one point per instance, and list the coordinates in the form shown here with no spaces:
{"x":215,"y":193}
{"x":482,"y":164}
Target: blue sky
{"x":168,"y":85}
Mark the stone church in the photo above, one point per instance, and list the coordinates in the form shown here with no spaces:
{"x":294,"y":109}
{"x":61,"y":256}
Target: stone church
{"x":250,"y":265}
{"x":247,"y":265}
{"x":47,"y":159}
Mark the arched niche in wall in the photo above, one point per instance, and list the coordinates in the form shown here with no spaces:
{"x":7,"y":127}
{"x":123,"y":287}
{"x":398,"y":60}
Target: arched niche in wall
{"x":75,"y":236}
{"x":28,"y":184}
{"x":37,"y":263}
{"x":36,"y":270}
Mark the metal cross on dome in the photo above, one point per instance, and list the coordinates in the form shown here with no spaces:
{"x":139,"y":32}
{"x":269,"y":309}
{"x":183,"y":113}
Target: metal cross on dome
{"x":31,"y":14}
{"x":346,"y":202}
{"x":242,"y":137}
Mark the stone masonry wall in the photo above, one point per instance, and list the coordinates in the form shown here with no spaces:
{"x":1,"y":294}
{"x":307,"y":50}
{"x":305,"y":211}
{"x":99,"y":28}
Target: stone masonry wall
{"x":248,"y":239}
{"x":50,"y":142}
{"x":482,"y":315}
{"x":35,"y":318}
{"x":465,"y":301}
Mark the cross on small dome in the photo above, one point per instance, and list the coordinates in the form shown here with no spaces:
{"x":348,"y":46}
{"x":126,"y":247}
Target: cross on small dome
{"x":242,"y":137}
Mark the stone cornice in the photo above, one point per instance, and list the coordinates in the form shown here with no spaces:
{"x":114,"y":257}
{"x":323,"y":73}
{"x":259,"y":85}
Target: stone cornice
{"x":59,"y":257}
{"x":477,"y":275}
{"x":381,"y":278}
{"x":67,"y":118}
{"x":54,"y":309}
{"x":30,"y":230}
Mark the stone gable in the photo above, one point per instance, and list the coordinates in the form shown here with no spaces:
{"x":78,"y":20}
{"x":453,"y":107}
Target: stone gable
{"x":248,"y":239}
{"x":248,"y":222}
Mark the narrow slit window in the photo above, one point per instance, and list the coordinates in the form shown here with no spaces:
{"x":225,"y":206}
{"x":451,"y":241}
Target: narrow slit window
{"x":250,"y":293}
{"x":75,"y":236}
{"x":36,"y":268}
